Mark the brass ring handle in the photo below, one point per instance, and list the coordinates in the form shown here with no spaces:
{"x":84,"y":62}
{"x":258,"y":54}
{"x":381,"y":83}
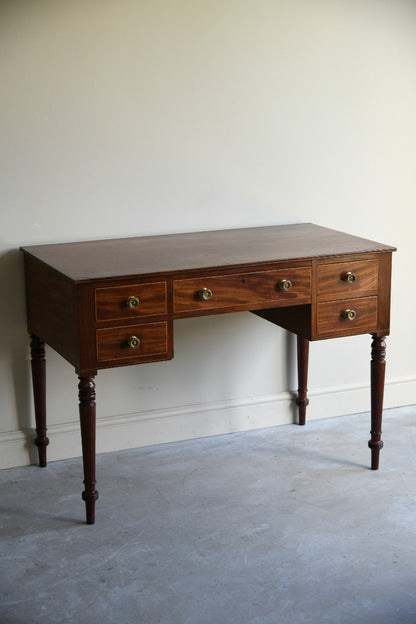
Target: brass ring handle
{"x":132,"y":302}
{"x":205,"y":294}
{"x":349,"y":277}
{"x":349,"y":314}
{"x":133,"y":342}
{"x":285,"y":285}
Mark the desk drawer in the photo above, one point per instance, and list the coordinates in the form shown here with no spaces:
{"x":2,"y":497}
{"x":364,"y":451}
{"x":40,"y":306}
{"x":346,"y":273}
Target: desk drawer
{"x":141,"y":342}
{"x":130,"y":301}
{"x":346,"y":317}
{"x":347,"y":278}
{"x":280,"y":287}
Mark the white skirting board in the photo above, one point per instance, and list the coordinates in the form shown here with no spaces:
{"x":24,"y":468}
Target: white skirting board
{"x":195,"y":421}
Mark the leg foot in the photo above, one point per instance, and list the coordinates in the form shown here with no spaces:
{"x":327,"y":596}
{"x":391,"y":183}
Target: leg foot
{"x":37,"y":351}
{"x":303,"y":358}
{"x":378,"y":367}
{"x":86,"y":389}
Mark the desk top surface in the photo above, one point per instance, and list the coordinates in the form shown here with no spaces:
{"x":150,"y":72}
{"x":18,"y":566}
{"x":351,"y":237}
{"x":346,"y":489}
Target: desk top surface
{"x":172,"y":253}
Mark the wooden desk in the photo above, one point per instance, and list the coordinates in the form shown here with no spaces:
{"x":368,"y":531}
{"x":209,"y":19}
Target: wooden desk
{"x":108,"y":303}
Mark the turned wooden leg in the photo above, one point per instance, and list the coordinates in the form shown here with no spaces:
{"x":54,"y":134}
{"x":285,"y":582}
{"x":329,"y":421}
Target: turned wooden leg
{"x":86,"y":389}
{"x":378,"y":367}
{"x":37,"y":351}
{"x":303,"y":358}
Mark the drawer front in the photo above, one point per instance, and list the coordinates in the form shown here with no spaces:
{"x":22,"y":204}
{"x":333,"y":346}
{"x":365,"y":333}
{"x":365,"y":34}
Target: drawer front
{"x":130,"y":301}
{"x":140,"y":342}
{"x":347,"y":278}
{"x":347,"y":317}
{"x":280,"y":287}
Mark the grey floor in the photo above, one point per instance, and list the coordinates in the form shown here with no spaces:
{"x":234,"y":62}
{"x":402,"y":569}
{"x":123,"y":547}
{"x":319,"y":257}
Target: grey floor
{"x":283,"y":525}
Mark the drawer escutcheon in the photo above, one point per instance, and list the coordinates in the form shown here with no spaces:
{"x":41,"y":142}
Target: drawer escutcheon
{"x":285,"y":285}
{"x":132,"y":302}
{"x":133,"y":342}
{"x":349,"y":277}
{"x":205,"y":294}
{"x":349,"y":314}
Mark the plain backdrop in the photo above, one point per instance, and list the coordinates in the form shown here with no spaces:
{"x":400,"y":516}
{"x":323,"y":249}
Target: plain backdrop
{"x":127,"y":117}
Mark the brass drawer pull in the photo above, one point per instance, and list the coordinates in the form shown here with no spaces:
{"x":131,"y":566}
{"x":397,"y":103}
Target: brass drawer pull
{"x":349,"y":277}
{"x":132,"y":302}
{"x":133,"y":342}
{"x":349,"y":314}
{"x":205,"y":294}
{"x":285,"y":285}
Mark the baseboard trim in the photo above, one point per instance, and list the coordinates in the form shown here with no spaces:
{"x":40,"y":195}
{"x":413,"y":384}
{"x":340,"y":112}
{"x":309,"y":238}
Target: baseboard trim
{"x":195,"y":421}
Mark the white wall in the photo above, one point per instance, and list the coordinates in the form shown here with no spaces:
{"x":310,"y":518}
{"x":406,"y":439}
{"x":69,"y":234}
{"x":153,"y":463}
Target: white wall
{"x":128,"y":117}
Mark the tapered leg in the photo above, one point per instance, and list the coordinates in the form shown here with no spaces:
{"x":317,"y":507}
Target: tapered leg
{"x":37,"y":351}
{"x":86,"y":389}
{"x":303,"y":358}
{"x":378,"y":367}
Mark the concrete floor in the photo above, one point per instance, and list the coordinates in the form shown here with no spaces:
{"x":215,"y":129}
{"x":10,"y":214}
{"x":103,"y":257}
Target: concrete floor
{"x":283,"y":525}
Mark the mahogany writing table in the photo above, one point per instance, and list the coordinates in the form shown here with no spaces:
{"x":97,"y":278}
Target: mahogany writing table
{"x":108,"y":303}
